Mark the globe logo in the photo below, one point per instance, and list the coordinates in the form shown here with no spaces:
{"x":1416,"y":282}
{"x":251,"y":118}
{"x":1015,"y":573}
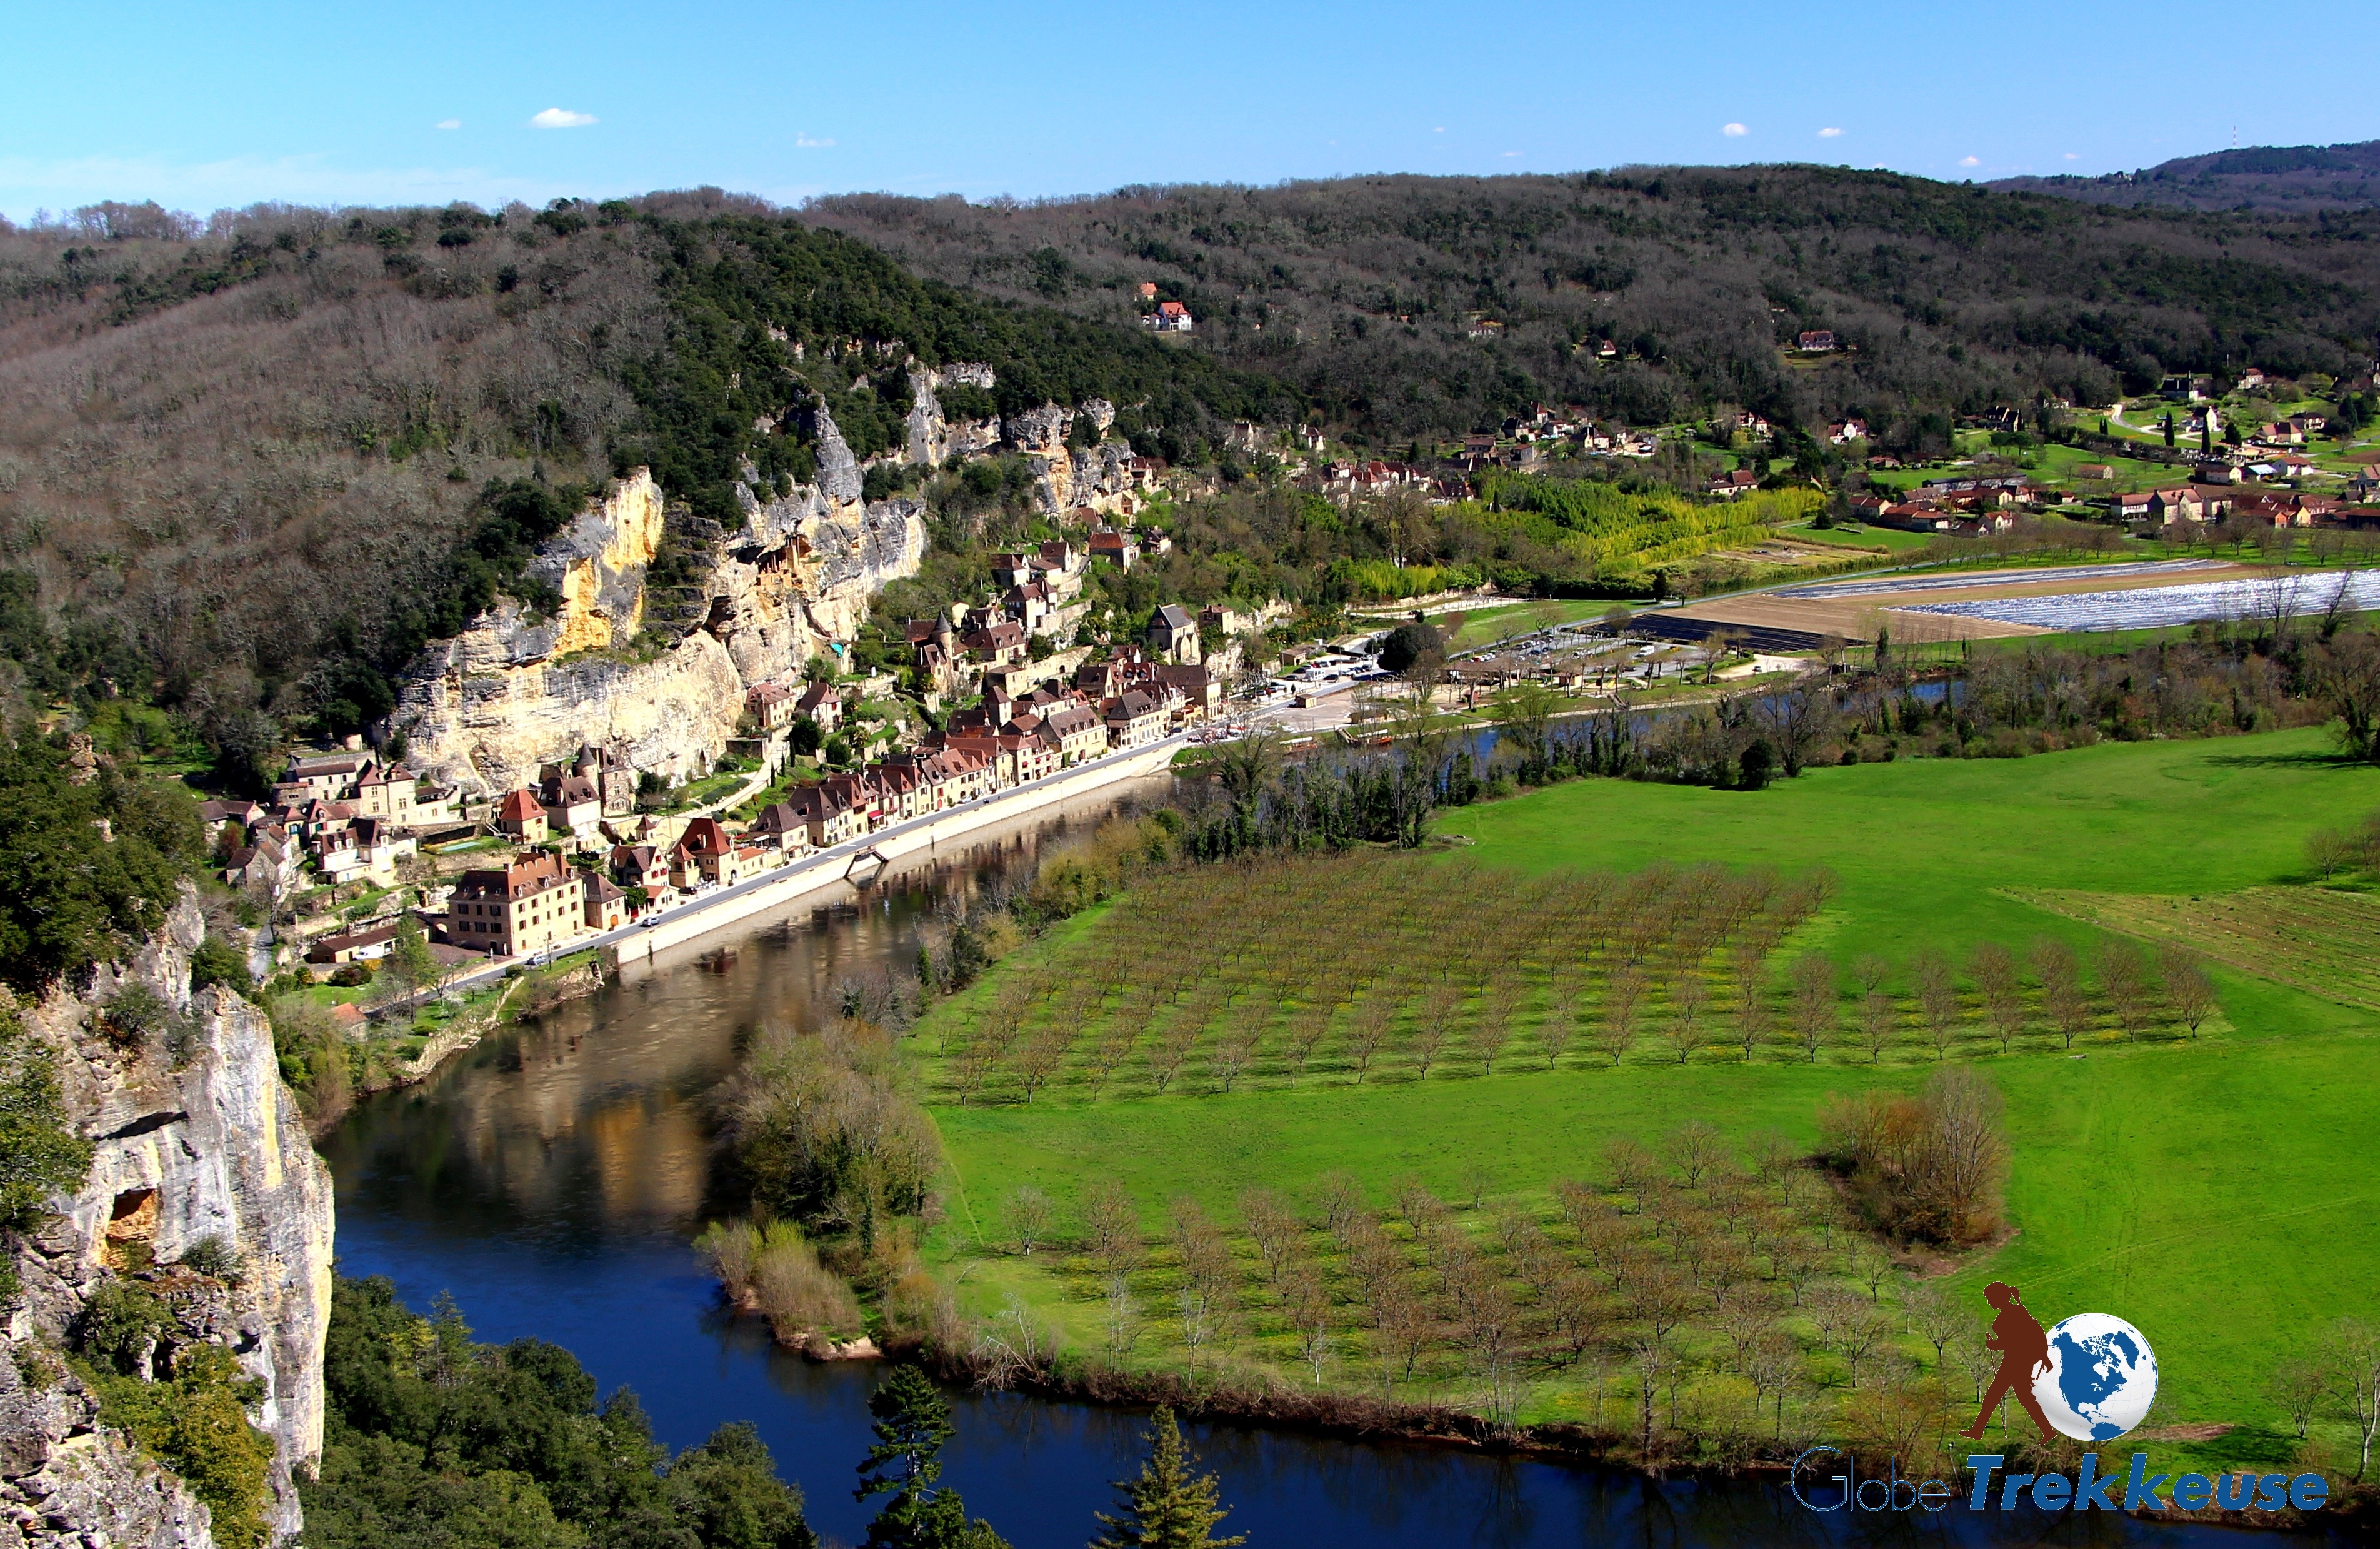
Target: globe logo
{"x":2102,"y":1377}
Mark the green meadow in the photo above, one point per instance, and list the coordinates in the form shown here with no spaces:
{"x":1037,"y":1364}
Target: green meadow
{"x":2216,"y":1191}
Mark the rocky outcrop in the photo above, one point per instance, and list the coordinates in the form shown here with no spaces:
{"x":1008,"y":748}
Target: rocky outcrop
{"x":67,"y":1482}
{"x":661,"y":674}
{"x":195,"y":1141}
{"x":934,"y":441}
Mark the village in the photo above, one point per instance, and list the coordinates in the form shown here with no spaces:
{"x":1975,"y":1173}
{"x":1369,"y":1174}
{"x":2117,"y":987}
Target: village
{"x":592,"y":846}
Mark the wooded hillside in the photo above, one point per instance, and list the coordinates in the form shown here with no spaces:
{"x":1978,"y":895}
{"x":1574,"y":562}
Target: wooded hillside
{"x":1367,"y":292}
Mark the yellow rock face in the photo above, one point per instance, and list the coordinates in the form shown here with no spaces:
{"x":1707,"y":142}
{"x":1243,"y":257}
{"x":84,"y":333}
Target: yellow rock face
{"x":631,"y":517}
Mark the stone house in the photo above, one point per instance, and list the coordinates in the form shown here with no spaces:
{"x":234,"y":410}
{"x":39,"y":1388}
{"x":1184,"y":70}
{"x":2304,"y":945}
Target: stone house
{"x":607,"y":904}
{"x":1174,"y":634}
{"x":827,"y":812}
{"x":640,"y":866}
{"x":521,"y":817}
{"x":532,"y":904}
{"x":1134,"y":719}
{"x":821,"y":704}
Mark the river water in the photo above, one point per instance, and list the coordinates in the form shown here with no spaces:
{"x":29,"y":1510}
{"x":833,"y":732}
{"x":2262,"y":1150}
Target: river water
{"x":551,"y":1178}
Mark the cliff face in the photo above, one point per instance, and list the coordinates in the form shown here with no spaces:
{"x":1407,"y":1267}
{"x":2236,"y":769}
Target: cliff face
{"x":205,"y":1143}
{"x":512,"y":693}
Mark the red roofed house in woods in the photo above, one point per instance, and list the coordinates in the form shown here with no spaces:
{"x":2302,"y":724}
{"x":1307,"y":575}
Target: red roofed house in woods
{"x":522,"y":817}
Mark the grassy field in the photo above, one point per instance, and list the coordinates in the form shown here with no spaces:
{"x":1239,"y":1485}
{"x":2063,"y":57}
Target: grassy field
{"x":1878,"y":540}
{"x":2216,"y":1191}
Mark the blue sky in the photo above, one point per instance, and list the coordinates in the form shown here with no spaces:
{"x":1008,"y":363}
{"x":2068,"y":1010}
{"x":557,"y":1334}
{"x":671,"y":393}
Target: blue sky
{"x":202,"y":106}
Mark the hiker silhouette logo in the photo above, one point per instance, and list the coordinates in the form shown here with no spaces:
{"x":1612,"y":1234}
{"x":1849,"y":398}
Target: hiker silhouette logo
{"x":2092,"y":1377}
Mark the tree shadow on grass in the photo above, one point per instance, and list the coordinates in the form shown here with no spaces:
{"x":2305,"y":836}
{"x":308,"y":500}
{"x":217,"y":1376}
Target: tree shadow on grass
{"x":2288,"y":761}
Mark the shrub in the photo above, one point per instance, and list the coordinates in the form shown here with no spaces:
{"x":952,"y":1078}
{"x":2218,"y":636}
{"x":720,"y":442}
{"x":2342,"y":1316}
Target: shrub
{"x":215,"y":1258}
{"x":39,"y":1155}
{"x":797,"y":1294}
{"x":1929,"y":1167}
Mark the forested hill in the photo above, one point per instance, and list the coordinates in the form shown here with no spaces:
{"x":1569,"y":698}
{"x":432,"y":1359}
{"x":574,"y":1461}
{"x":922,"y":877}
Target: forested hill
{"x":249,"y":467}
{"x":2295,"y":180}
{"x":1367,"y":292}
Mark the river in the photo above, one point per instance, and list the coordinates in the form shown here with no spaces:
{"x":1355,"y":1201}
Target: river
{"x":549,"y":1180}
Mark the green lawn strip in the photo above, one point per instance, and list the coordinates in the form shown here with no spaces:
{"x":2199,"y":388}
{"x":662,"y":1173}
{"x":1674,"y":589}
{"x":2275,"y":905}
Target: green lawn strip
{"x":1876,"y":540}
{"x":1919,"y":845}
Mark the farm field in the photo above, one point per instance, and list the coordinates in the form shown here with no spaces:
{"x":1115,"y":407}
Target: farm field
{"x":1999,"y":604}
{"x":2141,"y":1169}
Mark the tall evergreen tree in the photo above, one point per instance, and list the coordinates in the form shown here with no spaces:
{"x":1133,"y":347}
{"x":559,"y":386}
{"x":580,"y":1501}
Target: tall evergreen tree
{"x":1171,"y":1506}
{"x":913,"y":1421}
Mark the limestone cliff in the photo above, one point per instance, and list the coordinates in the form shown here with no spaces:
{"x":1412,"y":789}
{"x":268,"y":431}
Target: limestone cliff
{"x":932,"y":440}
{"x":195,"y":1138}
{"x":661,"y":673}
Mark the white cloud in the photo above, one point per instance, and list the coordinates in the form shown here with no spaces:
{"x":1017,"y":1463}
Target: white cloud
{"x":1971,"y":160}
{"x":1733,"y":132}
{"x":807,"y":143}
{"x":561,"y":118}
{"x":449,"y":124}
{"x":1441,"y":129}
{"x":1509,"y":155}
{"x":1830,"y":134}
{"x":2072,"y":157}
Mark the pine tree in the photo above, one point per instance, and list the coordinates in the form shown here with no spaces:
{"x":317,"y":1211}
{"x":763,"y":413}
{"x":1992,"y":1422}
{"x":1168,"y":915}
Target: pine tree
{"x":1170,"y":1506}
{"x":912,"y":1422}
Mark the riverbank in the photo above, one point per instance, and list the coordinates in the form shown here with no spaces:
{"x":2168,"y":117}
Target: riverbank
{"x":597,"y":961}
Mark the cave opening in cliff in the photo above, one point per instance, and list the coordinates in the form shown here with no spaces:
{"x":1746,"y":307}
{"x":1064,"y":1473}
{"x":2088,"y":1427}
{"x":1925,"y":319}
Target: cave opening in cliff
{"x":131,"y":1233}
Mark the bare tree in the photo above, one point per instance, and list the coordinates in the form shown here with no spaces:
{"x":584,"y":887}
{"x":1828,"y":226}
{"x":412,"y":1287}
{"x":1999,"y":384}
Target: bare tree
{"x":2061,"y":987}
{"x":1695,"y":1146}
{"x":1306,"y":1301}
{"x":1306,"y":1029}
{"x":1870,"y":971}
{"x":1172,"y":1050}
{"x":1938,"y":999}
{"x":1029,"y":1212}
{"x":2353,"y":1356}
{"x":1993,"y":968}
{"x":1814,"y":1000}
{"x":1491,"y":1020}
{"x":2187,"y":987}
{"x":1624,"y":992}
{"x":2331,"y":850}
{"x":2299,"y":1384}
{"x":1368,"y":1032}
{"x":1274,"y":1227}
{"x":1342,"y":1202}
{"x":1040,"y":1059}
{"x":1687,"y":998}
{"x":1878,"y":1017}
{"x":1112,"y":1226}
{"x":1748,"y":971}
{"x":2126,"y":976}
{"x":1561,"y":1022}
{"x":1633,"y":1168}
{"x":1433,"y":1027}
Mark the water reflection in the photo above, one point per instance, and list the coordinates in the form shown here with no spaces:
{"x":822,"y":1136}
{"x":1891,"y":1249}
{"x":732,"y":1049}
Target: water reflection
{"x":549,"y":1180}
